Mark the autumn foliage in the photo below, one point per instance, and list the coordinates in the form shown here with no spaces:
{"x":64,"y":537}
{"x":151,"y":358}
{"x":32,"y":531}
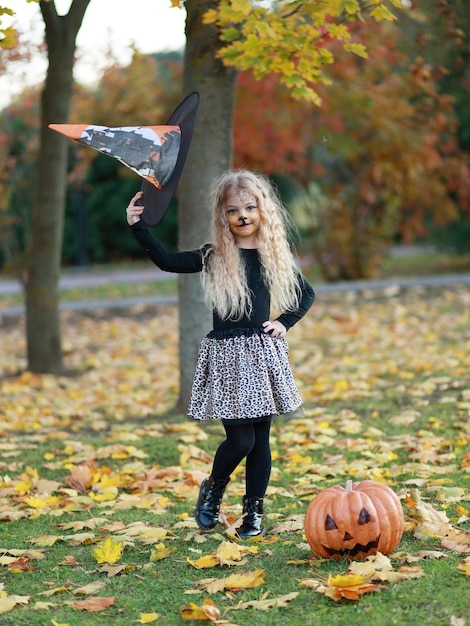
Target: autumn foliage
{"x":385,"y":159}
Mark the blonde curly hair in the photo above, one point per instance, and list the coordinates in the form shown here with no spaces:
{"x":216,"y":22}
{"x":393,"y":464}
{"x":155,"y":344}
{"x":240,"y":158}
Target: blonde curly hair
{"x":224,"y":277}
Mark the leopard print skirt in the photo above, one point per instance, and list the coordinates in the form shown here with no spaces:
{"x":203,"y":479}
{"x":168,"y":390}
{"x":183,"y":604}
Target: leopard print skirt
{"x":242,"y":374}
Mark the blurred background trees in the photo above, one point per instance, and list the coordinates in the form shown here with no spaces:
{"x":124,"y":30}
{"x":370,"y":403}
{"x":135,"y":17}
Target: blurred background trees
{"x":384,"y":159}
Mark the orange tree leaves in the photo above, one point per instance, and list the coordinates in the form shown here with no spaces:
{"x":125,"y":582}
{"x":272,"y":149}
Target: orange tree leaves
{"x":385,"y":153}
{"x":269,"y":136}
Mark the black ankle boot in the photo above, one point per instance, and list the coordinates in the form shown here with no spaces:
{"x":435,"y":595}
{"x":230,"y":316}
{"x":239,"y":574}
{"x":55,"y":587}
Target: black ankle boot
{"x":208,"y":503}
{"x":253,"y":517}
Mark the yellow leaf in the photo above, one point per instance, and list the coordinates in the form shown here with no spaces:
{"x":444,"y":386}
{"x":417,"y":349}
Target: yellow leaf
{"x":464,"y":566}
{"x":35,"y":502}
{"x":204,"y":562}
{"x":382,"y":13}
{"x":228,"y":552}
{"x":55,"y":591}
{"x":110,"y":551}
{"x":356,"y":48}
{"x":210,"y":16}
{"x":44,"y":606}
{"x":23,"y":487}
{"x":110,"y":493}
{"x":32,"y":471}
{"x":9,"y":602}
{"x":148,"y":618}
{"x":245,"y":581}
{"x":161,"y":552}
{"x":346,"y":580}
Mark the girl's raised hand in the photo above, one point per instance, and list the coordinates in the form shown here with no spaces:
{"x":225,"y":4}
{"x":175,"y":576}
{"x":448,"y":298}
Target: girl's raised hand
{"x":134,"y":211}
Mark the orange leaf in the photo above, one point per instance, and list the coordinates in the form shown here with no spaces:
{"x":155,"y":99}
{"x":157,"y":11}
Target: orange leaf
{"x":81,"y":478}
{"x":349,"y":593}
{"x":93,"y":605}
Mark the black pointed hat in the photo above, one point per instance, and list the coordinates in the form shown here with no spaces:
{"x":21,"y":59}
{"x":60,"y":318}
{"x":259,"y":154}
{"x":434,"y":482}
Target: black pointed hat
{"x":156,"y":153}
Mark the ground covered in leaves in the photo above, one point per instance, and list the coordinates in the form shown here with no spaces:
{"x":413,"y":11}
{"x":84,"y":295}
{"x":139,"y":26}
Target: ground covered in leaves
{"x":99,"y":474}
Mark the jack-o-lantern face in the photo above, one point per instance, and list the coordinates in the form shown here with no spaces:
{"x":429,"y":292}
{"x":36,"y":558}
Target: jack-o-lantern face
{"x":346,"y":540}
{"x":364,"y":519}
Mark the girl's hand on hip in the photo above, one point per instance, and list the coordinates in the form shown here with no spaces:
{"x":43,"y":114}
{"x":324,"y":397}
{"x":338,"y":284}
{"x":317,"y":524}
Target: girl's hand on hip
{"x":276,"y":329}
{"x":134,"y":211}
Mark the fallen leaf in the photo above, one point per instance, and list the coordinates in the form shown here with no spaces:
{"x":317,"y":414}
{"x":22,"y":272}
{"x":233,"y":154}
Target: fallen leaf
{"x":266,"y":603}
{"x":55,"y":590}
{"x":94,"y":605}
{"x":70,"y":560}
{"x":8,"y":603}
{"x":348,"y":586}
{"x":245,"y":581}
{"x":464,"y":566}
{"x":81,"y":478}
{"x":110,"y":551}
{"x":161,"y":552}
{"x":91,"y":588}
{"x":457,"y":541}
{"x":114,"y":570}
{"x":289,"y":525}
{"x":148,"y":618}
{"x":204,"y":562}
{"x":234,"y":582}
{"x":43,"y":606}
{"x":426,"y":554}
{"x":228,"y":553}
{"x":208,"y":611}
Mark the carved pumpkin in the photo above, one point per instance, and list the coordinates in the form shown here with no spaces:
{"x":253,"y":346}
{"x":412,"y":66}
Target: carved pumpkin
{"x":363,"y":519}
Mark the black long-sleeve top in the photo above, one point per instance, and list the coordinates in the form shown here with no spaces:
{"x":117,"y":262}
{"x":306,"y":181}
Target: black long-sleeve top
{"x":191,"y":261}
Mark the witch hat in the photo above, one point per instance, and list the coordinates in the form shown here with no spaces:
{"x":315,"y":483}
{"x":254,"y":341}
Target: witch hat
{"x":156,"y":153}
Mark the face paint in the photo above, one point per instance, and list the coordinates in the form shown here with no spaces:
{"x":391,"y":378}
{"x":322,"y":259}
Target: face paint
{"x":243,"y":217}
{"x":244,"y":196}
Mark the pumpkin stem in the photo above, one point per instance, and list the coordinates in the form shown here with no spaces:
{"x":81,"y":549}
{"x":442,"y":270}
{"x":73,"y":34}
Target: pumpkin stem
{"x":349,"y":486}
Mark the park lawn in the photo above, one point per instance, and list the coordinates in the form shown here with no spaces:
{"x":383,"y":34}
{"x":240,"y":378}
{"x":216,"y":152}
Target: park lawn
{"x":99,"y":473}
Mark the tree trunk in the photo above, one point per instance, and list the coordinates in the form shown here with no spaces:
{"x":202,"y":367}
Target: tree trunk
{"x":210,"y":155}
{"x":42,"y":288}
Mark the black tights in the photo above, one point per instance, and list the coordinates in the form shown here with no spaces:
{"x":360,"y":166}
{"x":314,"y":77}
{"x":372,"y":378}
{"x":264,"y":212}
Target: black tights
{"x":250,"y":440}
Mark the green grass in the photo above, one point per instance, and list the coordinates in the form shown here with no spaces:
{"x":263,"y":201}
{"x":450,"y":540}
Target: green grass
{"x":113,"y":291}
{"x":426,"y":263}
{"x":160,"y":586}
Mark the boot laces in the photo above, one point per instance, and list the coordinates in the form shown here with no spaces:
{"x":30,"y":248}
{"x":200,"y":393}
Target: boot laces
{"x":214,"y":495}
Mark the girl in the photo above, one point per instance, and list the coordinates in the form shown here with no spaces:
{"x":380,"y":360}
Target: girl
{"x":242,"y":374}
